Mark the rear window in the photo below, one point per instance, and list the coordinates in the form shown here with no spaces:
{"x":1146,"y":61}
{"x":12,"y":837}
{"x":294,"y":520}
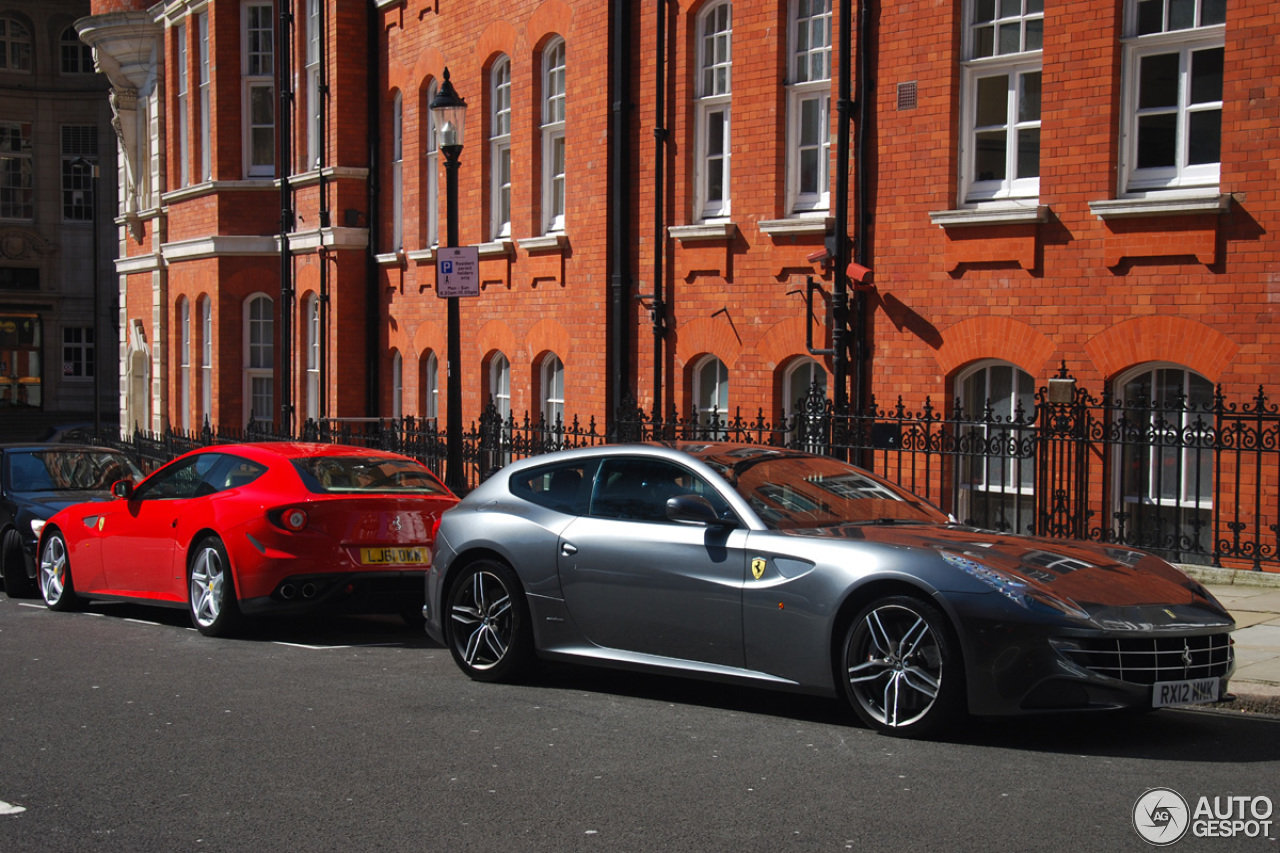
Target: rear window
{"x":362,"y":474}
{"x":564,"y":487}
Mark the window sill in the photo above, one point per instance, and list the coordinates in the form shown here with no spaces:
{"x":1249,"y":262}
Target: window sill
{"x":390,"y":259}
{"x":1021,"y":214}
{"x":1185,"y":205}
{"x":422,"y":256}
{"x":703,"y":231}
{"x":210,"y":187}
{"x":547,"y":243}
{"x":796,"y":226}
{"x":503,"y":247}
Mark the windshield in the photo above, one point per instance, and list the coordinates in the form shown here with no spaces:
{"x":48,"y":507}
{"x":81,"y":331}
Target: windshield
{"x":67,"y":470}
{"x":798,"y":490}
{"x":356,"y":474}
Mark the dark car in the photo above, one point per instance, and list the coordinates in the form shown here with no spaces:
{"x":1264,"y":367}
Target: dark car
{"x":800,"y":572}
{"x":37,"y":480}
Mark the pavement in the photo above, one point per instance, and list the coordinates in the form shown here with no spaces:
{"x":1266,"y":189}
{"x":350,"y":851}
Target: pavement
{"x":1254,"y":600}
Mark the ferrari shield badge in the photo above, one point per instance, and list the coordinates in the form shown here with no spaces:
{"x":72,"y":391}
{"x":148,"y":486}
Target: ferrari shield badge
{"x":757,"y":567}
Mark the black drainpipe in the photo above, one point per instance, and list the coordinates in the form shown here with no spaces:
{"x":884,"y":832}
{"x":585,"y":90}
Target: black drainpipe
{"x":840,"y":284}
{"x":619,"y":254}
{"x":284,"y":134}
{"x":326,"y":219}
{"x":373,"y":351}
{"x":659,"y":312}
{"x":861,"y":246}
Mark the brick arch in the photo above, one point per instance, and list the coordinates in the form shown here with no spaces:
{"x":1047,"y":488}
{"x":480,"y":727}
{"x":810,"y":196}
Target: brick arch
{"x":994,"y":337}
{"x":498,"y":37}
{"x":430,"y":66}
{"x":786,"y":340}
{"x":431,"y":335}
{"x":494,"y":335}
{"x":554,"y":17}
{"x":712,"y":335}
{"x":1162,"y":338}
{"x":548,"y":336}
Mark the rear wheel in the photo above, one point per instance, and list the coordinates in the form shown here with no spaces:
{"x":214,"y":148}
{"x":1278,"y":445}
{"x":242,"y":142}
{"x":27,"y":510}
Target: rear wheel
{"x":17,"y":583}
{"x":488,"y":624}
{"x":212,"y":592}
{"x":901,"y":668}
{"x":56,"y":587}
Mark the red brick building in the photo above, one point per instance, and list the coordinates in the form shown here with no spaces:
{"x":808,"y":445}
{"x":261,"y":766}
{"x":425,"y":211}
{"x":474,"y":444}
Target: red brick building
{"x":1032,"y":185}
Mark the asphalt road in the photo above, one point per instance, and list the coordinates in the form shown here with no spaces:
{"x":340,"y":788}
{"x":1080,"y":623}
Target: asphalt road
{"x":361,"y":735}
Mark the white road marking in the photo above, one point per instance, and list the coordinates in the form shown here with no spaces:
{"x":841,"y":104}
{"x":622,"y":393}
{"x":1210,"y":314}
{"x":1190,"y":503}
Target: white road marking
{"x":6,"y":808}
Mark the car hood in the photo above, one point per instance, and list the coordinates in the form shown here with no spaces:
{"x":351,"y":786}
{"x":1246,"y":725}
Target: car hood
{"x":45,"y":504}
{"x":1113,"y":586}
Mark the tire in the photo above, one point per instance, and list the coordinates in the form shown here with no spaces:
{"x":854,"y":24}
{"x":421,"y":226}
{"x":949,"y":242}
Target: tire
{"x":211,"y":591}
{"x":17,"y":583}
{"x":901,"y":668}
{"x":488,"y":625}
{"x":56,"y":587}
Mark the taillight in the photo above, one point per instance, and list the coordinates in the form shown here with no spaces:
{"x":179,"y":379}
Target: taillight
{"x":294,"y":519}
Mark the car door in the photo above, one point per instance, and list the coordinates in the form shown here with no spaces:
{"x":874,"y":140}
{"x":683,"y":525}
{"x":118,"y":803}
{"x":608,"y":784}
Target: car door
{"x":636,"y":581}
{"x":139,"y":542}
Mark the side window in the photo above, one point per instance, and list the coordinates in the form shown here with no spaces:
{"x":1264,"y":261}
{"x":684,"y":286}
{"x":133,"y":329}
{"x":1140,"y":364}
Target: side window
{"x":181,"y":479}
{"x":564,"y":488}
{"x":238,"y":472}
{"x":638,"y":489}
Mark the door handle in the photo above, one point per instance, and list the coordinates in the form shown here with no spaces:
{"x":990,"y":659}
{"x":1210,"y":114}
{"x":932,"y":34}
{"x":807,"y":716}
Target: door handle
{"x":568,"y":549}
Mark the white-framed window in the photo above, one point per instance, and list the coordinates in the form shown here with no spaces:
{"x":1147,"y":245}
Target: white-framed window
{"x":17,"y":186}
{"x":1171,"y":104}
{"x":259,"y":91}
{"x":184,"y":105}
{"x":430,"y":170}
{"x":809,"y":107}
{"x":77,"y":57}
{"x":500,"y":396}
{"x":315,"y":103}
{"x":1000,"y":100}
{"x":996,"y":467}
{"x":553,"y":139}
{"x":1164,"y":465}
{"x":259,"y":358}
{"x":397,"y":385}
{"x":710,"y":390}
{"x":429,"y":386}
{"x":312,"y":313}
{"x":77,"y":352}
{"x":803,"y":376}
{"x":204,"y":82}
{"x":79,"y":155}
{"x":711,"y":119}
{"x":500,"y":148}
{"x":206,"y":359}
{"x":15,"y":45}
{"x":184,"y":363}
{"x":552,"y":385}
{"x":397,"y":173}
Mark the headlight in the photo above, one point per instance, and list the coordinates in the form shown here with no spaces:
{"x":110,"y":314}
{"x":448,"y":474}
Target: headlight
{"x":1015,"y":588}
{"x":37,"y":524}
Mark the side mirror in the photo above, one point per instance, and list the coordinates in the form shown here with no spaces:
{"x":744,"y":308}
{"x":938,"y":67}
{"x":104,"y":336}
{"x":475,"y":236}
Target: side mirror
{"x":122,"y":488}
{"x":695,"y":509}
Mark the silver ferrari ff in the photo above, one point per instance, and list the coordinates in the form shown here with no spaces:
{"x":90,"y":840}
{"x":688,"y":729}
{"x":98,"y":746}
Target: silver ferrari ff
{"x":800,"y":572}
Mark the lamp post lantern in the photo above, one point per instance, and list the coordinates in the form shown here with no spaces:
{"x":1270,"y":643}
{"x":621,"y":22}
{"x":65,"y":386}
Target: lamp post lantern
{"x":450,"y":113}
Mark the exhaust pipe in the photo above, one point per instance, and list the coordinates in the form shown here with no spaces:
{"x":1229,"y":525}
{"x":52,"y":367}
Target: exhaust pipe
{"x":309,"y":590}
{"x":288,"y":591}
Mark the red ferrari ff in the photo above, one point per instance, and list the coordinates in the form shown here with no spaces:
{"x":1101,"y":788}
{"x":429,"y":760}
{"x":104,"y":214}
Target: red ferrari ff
{"x":240,"y":530}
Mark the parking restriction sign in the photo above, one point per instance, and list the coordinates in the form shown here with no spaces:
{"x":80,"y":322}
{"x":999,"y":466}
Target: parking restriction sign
{"x":458,"y":272}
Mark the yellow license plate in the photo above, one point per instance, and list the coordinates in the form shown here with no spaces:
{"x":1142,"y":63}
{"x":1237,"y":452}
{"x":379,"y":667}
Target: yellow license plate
{"x":395,"y":556}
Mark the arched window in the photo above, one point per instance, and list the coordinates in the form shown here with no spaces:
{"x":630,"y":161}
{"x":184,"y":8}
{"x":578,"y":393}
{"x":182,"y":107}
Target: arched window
{"x":15,"y":45}
{"x":397,"y":173}
{"x":552,"y":384}
{"x":312,"y":314}
{"x":803,"y":377}
{"x":500,"y":395}
{"x":711,"y":123}
{"x":429,"y":387}
{"x":996,"y":467}
{"x":553,"y":141}
{"x":206,"y":360}
{"x":711,"y":390}
{"x":500,"y":149}
{"x":1164,"y":461}
{"x":259,"y":358}
{"x":184,"y":362}
{"x":77,"y":57}
{"x":397,"y":385}
{"x":430,"y":212}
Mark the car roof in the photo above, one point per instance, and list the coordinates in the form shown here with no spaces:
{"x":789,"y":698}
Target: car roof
{"x":55,"y":445}
{"x":296,"y":450}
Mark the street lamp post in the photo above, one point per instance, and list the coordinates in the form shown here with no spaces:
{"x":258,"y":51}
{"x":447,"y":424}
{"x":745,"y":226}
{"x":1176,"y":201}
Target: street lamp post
{"x":84,"y":163}
{"x":450,"y":113}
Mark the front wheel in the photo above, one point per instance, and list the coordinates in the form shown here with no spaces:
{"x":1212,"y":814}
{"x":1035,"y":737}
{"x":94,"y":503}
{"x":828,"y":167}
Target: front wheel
{"x":17,"y":583}
{"x":901,"y":668}
{"x":56,"y":588}
{"x":212,"y":592}
{"x":489,"y":633}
